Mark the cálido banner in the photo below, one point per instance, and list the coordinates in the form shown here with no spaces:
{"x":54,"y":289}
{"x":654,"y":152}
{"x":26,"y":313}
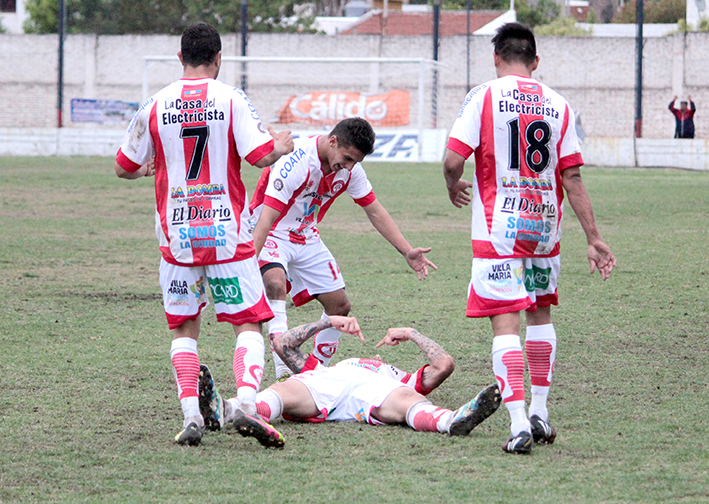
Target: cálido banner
{"x":320,"y":108}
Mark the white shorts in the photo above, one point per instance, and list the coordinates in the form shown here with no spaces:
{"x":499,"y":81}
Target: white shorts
{"x":347,"y":393}
{"x":236,"y":287}
{"x":510,"y":285}
{"x":311,"y":269}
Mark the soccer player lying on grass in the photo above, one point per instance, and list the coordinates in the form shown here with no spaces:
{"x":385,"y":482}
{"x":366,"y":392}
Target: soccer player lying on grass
{"x":365,"y":390}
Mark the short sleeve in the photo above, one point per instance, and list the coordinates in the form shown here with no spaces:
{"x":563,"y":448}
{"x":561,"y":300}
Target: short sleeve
{"x":569,"y":149}
{"x":253,"y":142}
{"x":359,"y":187}
{"x":137,"y":147}
{"x":464,"y":137}
{"x":286,"y":177}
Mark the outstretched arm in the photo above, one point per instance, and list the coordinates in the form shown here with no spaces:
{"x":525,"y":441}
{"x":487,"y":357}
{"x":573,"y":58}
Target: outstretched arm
{"x":382,"y":222}
{"x":599,"y":253}
{"x":441,"y":364}
{"x":287,"y":345}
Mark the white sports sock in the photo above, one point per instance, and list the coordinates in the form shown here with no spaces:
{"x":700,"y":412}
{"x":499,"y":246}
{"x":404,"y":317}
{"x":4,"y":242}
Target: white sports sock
{"x":508,"y":365}
{"x":325,"y":343}
{"x":424,"y":416}
{"x":277,"y":325}
{"x":248,"y":368}
{"x":185,"y":368}
{"x":269,"y":405}
{"x":540,"y":347}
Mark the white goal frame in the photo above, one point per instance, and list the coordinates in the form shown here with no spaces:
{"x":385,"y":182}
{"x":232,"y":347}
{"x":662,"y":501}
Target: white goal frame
{"x":374,"y":62}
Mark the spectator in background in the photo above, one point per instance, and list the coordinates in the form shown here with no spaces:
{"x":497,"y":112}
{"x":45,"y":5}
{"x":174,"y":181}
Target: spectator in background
{"x":684,"y":118}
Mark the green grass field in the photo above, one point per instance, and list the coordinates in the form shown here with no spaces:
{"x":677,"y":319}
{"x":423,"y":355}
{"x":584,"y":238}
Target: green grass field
{"x":89,"y":407}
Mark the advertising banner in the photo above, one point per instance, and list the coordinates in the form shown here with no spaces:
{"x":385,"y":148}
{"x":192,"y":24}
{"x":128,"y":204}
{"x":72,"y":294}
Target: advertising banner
{"x":323,"y":108}
{"x":102,"y":111}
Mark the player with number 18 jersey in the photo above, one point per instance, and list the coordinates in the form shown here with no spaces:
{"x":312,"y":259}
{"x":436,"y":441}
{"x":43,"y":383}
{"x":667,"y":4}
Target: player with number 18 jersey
{"x":523,"y":135}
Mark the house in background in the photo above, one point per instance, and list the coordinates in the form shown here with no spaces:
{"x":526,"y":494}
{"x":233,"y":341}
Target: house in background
{"x":12,"y":15}
{"x":401,"y":18}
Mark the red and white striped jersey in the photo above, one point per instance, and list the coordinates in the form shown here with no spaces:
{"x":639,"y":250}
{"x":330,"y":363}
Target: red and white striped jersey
{"x":523,"y":134}
{"x":298,"y":189}
{"x":198,"y":131}
{"x":413,"y":381}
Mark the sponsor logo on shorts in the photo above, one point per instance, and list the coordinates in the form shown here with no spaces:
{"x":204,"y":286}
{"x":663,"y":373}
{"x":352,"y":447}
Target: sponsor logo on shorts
{"x":500,"y":272}
{"x":361,"y":416}
{"x":179,"y":294}
{"x":198,"y":288}
{"x":226,"y":290}
{"x":278,"y":184}
{"x":537,"y":278}
{"x":503,"y":278}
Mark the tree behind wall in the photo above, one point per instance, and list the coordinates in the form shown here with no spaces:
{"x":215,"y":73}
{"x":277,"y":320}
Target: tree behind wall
{"x":544,"y":12}
{"x":657,"y":11}
{"x":116,"y":17}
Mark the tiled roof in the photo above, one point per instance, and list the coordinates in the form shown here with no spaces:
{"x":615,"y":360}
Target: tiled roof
{"x":421,"y":23}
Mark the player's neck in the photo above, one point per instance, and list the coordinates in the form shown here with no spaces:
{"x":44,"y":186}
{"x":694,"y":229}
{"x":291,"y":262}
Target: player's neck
{"x":200,"y":72}
{"x":504,"y":68}
{"x":322,"y":154}
{"x":514,"y":69}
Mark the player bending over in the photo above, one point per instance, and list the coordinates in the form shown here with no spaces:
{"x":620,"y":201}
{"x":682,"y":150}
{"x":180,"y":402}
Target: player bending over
{"x":363,"y":390}
{"x":291,"y":198}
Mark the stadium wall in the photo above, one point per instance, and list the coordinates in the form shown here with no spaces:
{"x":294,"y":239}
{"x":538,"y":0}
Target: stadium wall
{"x":596,"y":75}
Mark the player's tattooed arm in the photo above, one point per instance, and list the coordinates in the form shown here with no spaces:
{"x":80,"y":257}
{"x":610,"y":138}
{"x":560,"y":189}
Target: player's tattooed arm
{"x":441,"y":364}
{"x":287,"y":345}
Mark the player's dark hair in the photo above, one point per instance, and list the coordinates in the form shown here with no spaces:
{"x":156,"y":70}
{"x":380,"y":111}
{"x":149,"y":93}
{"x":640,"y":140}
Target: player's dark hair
{"x":200,"y":44}
{"x":355,"y":132}
{"x":515,"y":43}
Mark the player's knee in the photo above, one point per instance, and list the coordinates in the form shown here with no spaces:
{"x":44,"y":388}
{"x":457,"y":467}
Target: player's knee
{"x":342,"y":308}
{"x":275,"y":290}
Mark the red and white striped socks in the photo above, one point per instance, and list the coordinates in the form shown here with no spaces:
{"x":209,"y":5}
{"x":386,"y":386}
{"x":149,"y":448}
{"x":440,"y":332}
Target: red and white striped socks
{"x":325,"y":343}
{"x":185,"y":367}
{"x":508,"y":365}
{"x":540,"y":347}
{"x":248,"y":368}
{"x":424,"y":416}
{"x":269,"y":405}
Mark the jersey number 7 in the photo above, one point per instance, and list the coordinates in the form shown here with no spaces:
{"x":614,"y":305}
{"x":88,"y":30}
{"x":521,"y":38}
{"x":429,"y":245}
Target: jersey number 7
{"x":537,"y":134}
{"x":201,"y":133}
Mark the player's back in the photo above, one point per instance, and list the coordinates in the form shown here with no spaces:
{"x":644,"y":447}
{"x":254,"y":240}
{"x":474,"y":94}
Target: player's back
{"x":199,"y":130}
{"x":523,"y":134}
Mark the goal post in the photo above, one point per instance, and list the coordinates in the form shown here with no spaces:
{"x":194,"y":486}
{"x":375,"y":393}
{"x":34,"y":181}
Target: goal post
{"x":311,"y":94}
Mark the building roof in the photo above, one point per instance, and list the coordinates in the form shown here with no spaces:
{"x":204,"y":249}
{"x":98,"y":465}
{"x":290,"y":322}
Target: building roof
{"x":421,"y":23}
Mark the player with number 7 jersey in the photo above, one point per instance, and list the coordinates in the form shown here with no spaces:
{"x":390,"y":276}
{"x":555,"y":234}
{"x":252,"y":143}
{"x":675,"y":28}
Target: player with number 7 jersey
{"x":192,"y":135}
{"x":198,"y":131}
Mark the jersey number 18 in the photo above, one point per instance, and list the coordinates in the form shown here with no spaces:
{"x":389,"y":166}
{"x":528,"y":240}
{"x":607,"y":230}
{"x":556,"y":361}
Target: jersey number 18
{"x":537,"y":134}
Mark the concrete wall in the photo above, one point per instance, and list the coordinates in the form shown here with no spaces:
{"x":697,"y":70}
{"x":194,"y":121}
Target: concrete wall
{"x":596,"y":75}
